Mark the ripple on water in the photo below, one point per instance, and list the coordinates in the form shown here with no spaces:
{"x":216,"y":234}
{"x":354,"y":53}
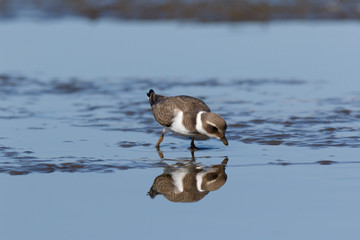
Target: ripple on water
{"x":121,"y":105}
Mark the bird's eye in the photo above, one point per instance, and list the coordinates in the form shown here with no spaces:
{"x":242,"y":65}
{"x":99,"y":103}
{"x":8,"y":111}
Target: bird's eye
{"x":214,"y":129}
{"x":214,"y":176}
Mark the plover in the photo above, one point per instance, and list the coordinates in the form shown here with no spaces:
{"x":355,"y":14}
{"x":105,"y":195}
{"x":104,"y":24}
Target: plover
{"x":186,"y":116}
{"x":188,"y":183}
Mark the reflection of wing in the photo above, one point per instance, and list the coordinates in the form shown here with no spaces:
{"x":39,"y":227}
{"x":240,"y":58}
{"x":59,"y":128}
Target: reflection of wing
{"x":188,"y":183}
{"x":164,"y":185}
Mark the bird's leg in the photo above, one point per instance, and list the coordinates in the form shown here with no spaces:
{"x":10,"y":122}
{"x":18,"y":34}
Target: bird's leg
{"x":160,"y":139}
{"x":161,"y":155}
{"x":192,"y":146}
{"x":193,"y":159}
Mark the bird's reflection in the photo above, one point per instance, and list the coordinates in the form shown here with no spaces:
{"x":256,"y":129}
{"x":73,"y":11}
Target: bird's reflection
{"x":188,"y":182}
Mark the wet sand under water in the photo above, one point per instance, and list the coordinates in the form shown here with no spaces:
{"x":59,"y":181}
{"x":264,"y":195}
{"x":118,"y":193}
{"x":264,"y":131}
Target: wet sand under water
{"x":55,"y":125}
{"x":78,"y":160}
{"x":290,"y":154}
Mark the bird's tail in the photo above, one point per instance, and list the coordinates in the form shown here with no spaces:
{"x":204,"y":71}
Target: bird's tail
{"x":151,"y":92}
{"x":153,"y":97}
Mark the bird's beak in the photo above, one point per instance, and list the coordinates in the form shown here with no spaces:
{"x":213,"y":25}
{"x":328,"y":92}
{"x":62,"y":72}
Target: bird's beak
{"x":223,"y":139}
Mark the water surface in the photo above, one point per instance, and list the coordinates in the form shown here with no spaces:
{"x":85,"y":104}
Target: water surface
{"x":77,"y":155}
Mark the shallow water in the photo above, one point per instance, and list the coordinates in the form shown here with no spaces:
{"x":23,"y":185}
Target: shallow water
{"x":58,"y":125}
{"x":82,"y":149}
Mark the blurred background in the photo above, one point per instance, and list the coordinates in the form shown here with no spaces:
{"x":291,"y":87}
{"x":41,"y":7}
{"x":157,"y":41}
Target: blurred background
{"x":194,"y":10}
{"x":179,"y":38}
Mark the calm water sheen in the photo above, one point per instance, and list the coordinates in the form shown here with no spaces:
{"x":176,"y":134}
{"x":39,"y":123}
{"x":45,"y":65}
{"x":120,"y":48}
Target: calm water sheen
{"x":77,"y":155}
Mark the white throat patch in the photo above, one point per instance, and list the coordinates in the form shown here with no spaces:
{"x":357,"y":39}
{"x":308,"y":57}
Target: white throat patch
{"x":199,"y":125}
{"x":200,"y":128}
{"x":199,"y":180}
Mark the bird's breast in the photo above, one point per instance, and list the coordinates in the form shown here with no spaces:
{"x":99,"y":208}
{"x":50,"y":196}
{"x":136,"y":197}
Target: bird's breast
{"x":178,"y":126}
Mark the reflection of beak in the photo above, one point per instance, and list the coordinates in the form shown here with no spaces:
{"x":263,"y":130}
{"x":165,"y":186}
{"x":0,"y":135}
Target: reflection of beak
{"x":223,"y":139}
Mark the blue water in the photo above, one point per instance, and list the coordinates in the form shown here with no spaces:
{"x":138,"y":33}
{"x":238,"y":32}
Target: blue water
{"x":66,"y":48}
{"x":77,"y":136}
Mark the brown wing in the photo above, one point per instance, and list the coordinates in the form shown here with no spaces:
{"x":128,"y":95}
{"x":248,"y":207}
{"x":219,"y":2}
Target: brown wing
{"x":163,"y":110}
